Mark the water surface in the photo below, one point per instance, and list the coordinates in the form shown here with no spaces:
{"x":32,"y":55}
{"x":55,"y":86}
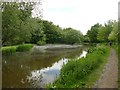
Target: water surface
{"x":31,"y":70}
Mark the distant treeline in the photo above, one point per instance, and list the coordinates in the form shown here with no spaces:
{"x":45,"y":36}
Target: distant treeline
{"x":103,"y":33}
{"x":18,"y":26}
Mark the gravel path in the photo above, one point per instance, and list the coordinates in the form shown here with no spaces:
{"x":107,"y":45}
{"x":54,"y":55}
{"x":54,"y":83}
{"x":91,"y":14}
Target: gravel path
{"x":109,"y":75}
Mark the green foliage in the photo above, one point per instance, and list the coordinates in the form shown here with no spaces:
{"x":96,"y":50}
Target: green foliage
{"x":99,"y":33}
{"x":116,"y":47}
{"x":74,"y":73}
{"x":99,"y":48}
{"x":72,"y":36}
{"x":9,"y":22}
{"x":41,"y":43}
{"x":37,"y":34}
{"x":104,"y":32}
{"x":8,"y":50}
{"x":113,"y":36}
{"x":92,"y":33}
{"x":118,"y":66}
{"x":24,"y":47}
{"x":53,"y":33}
{"x":15,"y":22}
{"x":86,"y":38}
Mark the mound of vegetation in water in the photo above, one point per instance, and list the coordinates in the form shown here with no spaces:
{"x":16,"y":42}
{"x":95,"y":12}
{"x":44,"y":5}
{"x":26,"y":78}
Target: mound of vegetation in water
{"x":24,"y":47}
{"x":8,"y":50}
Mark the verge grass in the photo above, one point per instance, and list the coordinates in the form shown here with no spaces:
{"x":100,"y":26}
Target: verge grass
{"x":118,"y":54}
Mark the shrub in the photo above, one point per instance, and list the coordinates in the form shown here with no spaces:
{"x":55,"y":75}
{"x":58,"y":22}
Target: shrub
{"x":41,"y":43}
{"x":24,"y":47}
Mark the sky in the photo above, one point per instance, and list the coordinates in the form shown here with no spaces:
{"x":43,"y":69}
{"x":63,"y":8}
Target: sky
{"x":79,"y":14}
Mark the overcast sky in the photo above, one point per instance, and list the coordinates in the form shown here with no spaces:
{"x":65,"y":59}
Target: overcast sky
{"x":79,"y":14}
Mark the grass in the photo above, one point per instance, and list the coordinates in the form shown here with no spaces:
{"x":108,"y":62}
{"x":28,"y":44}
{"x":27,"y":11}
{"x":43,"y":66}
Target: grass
{"x":8,"y":50}
{"x":84,"y":72}
{"x":118,"y":53}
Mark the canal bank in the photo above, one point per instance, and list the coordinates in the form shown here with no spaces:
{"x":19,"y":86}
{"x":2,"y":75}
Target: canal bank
{"x":83,"y":72}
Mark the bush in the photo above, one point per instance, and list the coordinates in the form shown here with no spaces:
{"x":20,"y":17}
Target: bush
{"x":8,"y":50}
{"x":41,"y":43}
{"x":24,"y":47}
{"x":101,"y":49}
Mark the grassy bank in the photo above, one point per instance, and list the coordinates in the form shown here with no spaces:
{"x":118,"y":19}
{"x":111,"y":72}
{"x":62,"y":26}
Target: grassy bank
{"x":84,"y":72}
{"x":8,"y":50}
{"x":118,"y":53}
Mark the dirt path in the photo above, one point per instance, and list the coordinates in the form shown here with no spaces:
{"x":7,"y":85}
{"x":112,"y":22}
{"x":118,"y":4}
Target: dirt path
{"x":109,"y":75}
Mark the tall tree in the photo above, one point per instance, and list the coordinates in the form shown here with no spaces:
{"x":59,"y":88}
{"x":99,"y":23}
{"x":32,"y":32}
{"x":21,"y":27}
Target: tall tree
{"x":104,"y":31}
{"x":10,"y":20}
{"x":72,"y":36}
{"x":52,"y":32}
{"x":92,"y":33}
{"x":15,"y":22}
{"x":37,"y":33}
{"x":113,"y":36}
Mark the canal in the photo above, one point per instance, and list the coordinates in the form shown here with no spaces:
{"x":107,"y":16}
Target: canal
{"x":36,"y":69}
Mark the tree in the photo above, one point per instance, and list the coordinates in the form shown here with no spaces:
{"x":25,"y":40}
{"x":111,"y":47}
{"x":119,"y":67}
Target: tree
{"x":92,"y":33}
{"x":52,"y":32}
{"x":86,"y":38}
{"x":15,"y":22}
{"x":37,"y":33}
{"x":104,"y":32}
{"x":72,"y":36}
{"x":10,"y":19}
{"x":113,"y":36}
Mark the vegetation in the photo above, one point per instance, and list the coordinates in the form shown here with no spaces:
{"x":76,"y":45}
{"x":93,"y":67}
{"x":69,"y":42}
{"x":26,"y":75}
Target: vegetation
{"x":18,"y":29}
{"x":118,"y":53}
{"x":24,"y":47}
{"x":92,"y":33}
{"x":119,"y":66}
{"x":103,"y":33}
{"x":8,"y":50}
{"x":76,"y":73}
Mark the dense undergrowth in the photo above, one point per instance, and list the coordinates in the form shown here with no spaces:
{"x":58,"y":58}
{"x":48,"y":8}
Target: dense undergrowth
{"x":8,"y":50}
{"x":82,"y":73}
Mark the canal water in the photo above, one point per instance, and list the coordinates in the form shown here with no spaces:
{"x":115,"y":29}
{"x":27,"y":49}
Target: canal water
{"x":36,"y":69}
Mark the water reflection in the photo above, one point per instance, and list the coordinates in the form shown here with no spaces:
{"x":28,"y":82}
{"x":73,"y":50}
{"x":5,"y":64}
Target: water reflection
{"x":49,"y":74}
{"x":83,"y":54}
